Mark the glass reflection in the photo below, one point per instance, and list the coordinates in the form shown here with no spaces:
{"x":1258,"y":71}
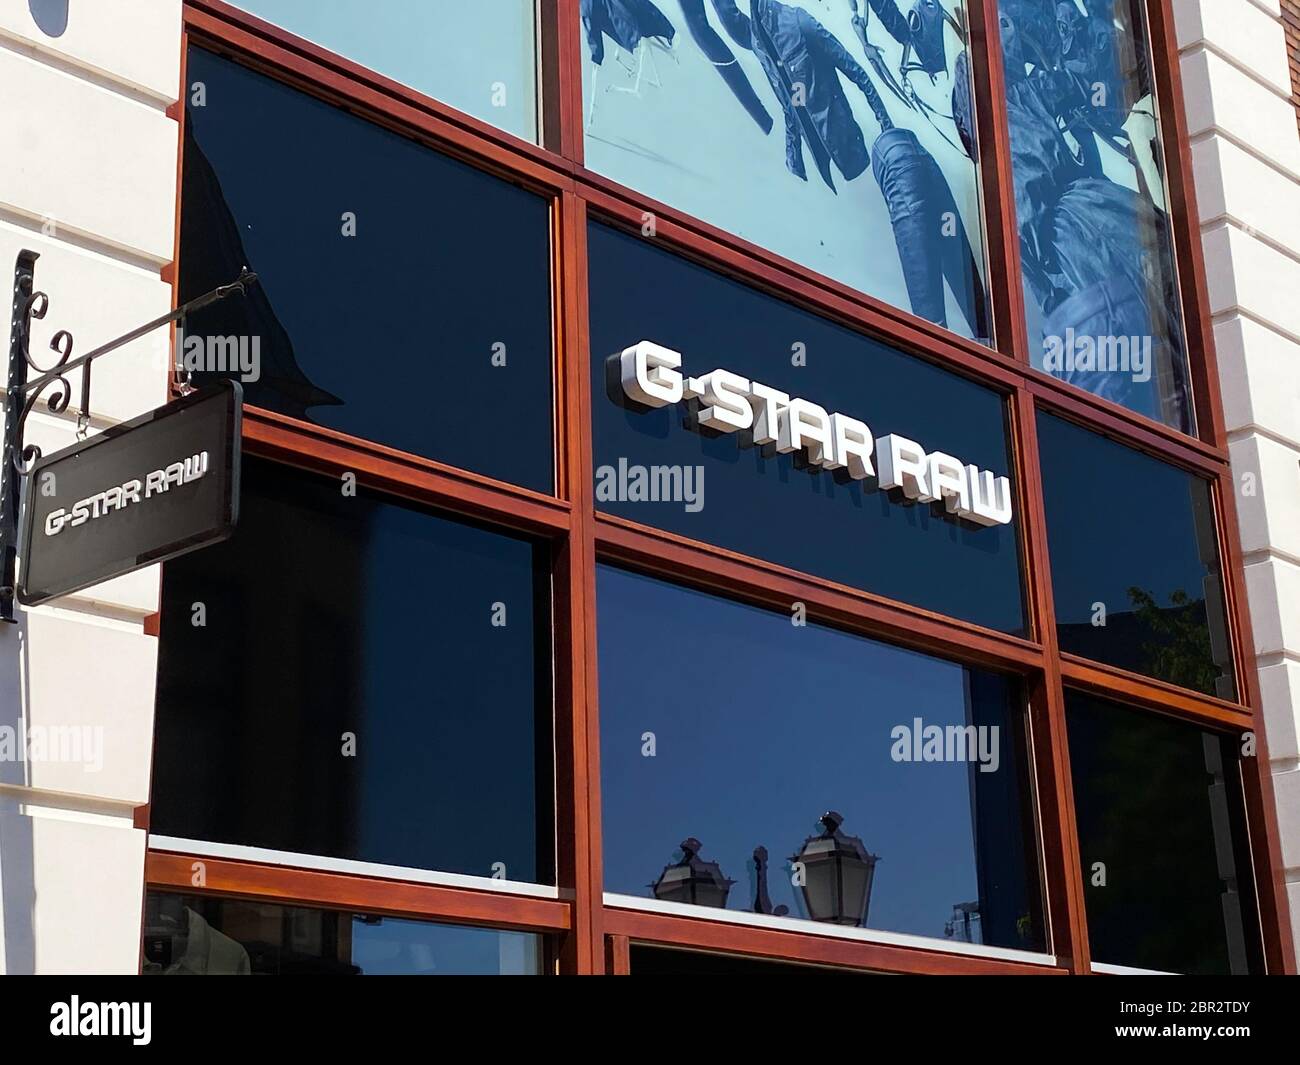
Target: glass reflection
{"x":353,"y":677}
{"x":197,"y":935}
{"x":1135,"y":560}
{"x":740,"y":730}
{"x":324,"y":206}
{"x":772,"y":505}
{"x":1101,"y":290}
{"x":881,"y":86}
{"x":1162,"y":841}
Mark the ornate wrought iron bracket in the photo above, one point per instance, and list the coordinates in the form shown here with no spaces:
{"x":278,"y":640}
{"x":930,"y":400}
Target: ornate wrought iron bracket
{"x":21,"y":395}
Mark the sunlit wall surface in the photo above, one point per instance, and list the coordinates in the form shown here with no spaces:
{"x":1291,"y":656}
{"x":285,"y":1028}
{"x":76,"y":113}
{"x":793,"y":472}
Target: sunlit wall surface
{"x":839,"y":135}
{"x":1101,"y":290}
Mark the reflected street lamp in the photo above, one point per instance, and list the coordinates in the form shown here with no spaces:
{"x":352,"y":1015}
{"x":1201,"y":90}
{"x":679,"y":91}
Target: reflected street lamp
{"x":837,"y":874}
{"x":693,"y":880}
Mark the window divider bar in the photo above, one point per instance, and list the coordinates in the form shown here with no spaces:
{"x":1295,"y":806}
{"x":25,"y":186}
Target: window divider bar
{"x":1119,"y":685}
{"x":996,"y":185}
{"x":618,"y":956}
{"x":577,"y":740}
{"x":1271,"y":887}
{"x":1062,"y":869}
{"x":1110,"y":419}
{"x":421,"y":480}
{"x":738,"y":577}
{"x":1189,"y":255}
{"x":560,"y":58}
{"x":290,"y":886}
{"x":702,"y":933}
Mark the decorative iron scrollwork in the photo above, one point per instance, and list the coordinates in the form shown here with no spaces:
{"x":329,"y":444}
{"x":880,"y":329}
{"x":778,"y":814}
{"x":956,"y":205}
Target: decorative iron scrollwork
{"x":56,"y":402}
{"x":22,"y":395}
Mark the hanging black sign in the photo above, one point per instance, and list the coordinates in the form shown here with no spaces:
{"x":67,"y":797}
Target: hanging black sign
{"x":144,"y":491}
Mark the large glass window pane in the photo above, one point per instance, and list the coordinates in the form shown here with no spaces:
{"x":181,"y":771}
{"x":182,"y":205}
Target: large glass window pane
{"x":1135,"y":560}
{"x":387,"y":274}
{"x":189,"y":935}
{"x":838,"y":135}
{"x":778,"y":505}
{"x":727,"y":732}
{"x":352,"y":677}
{"x":480,"y":57}
{"x":1101,"y":288}
{"x":1162,"y":841}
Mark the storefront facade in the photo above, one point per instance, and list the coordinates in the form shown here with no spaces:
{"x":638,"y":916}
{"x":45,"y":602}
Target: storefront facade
{"x":726,"y":488}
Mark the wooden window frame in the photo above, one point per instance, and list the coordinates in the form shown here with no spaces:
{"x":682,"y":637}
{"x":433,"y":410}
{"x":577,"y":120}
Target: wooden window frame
{"x":586,"y":935}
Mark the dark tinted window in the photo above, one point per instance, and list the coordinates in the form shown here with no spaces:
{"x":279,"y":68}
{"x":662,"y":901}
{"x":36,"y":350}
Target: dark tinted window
{"x":727,"y":725}
{"x":201,"y":935}
{"x":1101,"y":288}
{"x":393,"y":281}
{"x":1162,"y":841}
{"x":369,"y":682}
{"x":1135,"y":560}
{"x":772,"y":505}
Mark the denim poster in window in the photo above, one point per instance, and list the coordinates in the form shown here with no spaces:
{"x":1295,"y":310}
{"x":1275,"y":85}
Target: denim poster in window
{"x":478,"y":55}
{"x":1101,"y":288}
{"x":838,"y":135}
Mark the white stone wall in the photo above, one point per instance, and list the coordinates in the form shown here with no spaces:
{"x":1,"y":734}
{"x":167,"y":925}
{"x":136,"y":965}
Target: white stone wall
{"x":88,"y":180}
{"x":1246,"y":154}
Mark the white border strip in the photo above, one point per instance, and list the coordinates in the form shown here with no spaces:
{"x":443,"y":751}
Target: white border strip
{"x":794,"y":924}
{"x":347,"y":865}
{"x":1127,"y":970}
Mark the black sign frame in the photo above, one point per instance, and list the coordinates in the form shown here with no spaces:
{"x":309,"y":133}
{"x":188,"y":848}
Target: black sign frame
{"x":229,"y":392}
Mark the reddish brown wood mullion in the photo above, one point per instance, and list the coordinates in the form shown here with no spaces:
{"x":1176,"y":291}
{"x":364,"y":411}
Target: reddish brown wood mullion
{"x":421,"y":480}
{"x":1118,"y":684}
{"x":770,"y":944}
{"x":1185,"y":221}
{"x":288,"y":886}
{"x":999,"y":197}
{"x":561,"y":62}
{"x":1257,"y":773}
{"x":740,"y":577}
{"x":1109,"y":419}
{"x":1060,"y":842}
{"x":577,"y":738}
{"x":618,"y":957}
